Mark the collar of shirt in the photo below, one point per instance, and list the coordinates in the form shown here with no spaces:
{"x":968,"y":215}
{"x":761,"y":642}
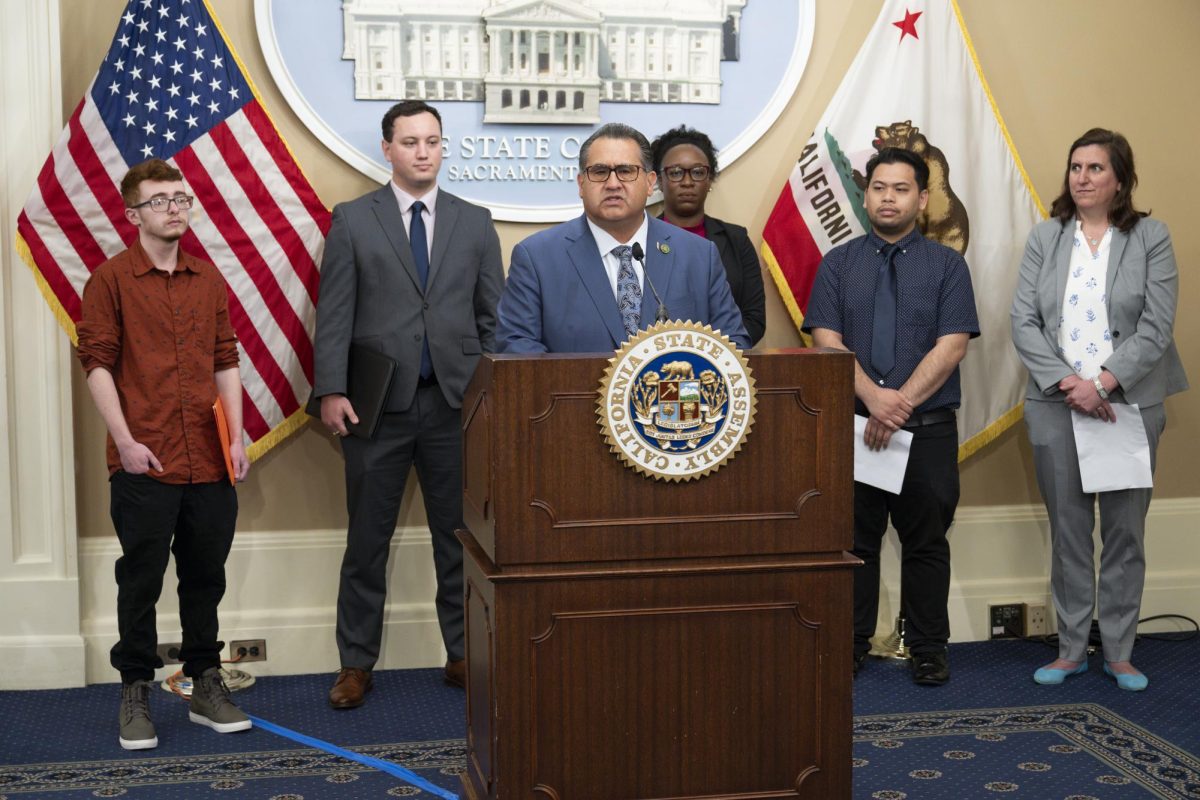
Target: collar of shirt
{"x":605,"y":244}
{"x":877,"y":243}
{"x":142,"y":263}
{"x":405,"y":200}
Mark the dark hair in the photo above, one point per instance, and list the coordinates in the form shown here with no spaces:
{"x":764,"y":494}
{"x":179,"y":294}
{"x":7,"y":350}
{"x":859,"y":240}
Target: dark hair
{"x":617,"y":130}
{"x":407,"y":108}
{"x":1121,"y":214}
{"x":898,"y":155}
{"x":683,"y":135}
{"x":153,"y":170}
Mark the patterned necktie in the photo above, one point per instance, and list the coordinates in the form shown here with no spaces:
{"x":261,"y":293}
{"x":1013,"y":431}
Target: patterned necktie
{"x":419,"y":242}
{"x":629,"y":291}
{"x":883,"y":330}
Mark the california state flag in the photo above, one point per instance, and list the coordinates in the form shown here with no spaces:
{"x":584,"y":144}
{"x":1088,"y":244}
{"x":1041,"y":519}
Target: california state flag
{"x":916,"y":84}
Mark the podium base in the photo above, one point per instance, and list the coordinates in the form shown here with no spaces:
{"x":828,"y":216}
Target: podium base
{"x":590,"y":681}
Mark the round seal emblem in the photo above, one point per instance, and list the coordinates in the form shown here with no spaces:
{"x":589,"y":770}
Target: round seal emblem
{"x":677,"y":401}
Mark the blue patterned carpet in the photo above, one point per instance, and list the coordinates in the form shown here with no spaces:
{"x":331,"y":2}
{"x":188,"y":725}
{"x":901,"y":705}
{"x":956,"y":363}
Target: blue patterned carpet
{"x":62,"y":745}
{"x":1074,"y":752}
{"x":991,"y":732}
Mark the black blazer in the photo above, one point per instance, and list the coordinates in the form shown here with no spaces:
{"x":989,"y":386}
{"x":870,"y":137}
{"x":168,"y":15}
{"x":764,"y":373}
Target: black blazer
{"x":743,"y":272}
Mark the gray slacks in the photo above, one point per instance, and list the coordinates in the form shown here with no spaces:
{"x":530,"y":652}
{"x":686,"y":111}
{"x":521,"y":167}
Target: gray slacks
{"x":428,"y":436}
{"x":1072,"y":520}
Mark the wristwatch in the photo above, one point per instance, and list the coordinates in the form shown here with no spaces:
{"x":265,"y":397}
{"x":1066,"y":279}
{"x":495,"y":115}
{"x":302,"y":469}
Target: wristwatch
{"x":1100,"y":389}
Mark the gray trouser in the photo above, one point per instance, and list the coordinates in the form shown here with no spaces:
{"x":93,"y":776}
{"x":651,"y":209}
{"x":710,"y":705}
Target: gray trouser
{"x":1072,"y":520}
{"x":427,"y":436}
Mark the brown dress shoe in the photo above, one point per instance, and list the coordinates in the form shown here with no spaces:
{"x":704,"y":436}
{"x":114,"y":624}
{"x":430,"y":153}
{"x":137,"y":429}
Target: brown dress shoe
{"x":456,"y":673}
{"x":348,"y":690}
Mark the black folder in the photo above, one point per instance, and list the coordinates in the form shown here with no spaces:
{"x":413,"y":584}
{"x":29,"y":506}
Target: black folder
{"x":369,"y":379}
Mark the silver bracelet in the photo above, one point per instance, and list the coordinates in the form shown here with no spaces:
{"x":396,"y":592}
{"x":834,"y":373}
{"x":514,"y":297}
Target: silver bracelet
{"x":1100,"y":389}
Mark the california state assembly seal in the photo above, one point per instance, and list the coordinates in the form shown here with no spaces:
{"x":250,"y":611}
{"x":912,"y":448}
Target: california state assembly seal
{"x":677,"y":401}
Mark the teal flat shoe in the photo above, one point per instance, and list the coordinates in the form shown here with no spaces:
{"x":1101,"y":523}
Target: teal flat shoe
{"x":1129,"y":682}
{"x":1053,"y":677}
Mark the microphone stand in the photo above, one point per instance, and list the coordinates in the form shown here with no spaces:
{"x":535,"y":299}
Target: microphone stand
{"x":892,"y":646}
{"x":639,"y":255}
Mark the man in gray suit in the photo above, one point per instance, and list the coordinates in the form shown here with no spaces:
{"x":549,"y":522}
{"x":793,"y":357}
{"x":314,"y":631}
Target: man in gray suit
{"x":415,"y":273}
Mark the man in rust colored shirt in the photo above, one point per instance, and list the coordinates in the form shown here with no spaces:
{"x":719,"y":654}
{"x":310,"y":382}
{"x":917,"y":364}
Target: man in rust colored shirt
{"x":158,"y":349}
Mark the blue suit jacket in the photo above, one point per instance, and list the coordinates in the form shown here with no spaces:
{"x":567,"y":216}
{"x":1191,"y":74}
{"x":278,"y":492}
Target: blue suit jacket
{"x":558,"y":299}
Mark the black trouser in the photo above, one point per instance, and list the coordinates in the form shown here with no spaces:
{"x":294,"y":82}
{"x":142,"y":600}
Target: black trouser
{"x":921,"y":514}
{"x":193,"y":521}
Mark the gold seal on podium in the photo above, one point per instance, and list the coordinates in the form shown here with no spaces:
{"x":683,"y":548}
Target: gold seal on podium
{"x":677,"y":401}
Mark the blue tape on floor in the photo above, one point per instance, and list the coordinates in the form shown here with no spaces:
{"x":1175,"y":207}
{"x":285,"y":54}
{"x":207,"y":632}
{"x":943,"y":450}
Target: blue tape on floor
{"x":394,"y":770}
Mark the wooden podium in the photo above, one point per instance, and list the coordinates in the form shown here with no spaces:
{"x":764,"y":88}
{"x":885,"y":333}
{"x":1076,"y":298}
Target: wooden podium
{"x":633,"y":638}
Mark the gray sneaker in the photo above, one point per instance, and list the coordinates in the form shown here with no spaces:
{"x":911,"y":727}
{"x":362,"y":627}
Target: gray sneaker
{"x":211,"y":705}
{"x":137,"y":731}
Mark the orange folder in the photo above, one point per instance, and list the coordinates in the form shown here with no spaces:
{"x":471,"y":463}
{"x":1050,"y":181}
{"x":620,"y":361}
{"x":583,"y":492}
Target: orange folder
{"x":223,"y":432}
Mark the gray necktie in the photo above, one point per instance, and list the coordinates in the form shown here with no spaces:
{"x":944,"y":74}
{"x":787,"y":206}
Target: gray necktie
{"x":629,"y":291}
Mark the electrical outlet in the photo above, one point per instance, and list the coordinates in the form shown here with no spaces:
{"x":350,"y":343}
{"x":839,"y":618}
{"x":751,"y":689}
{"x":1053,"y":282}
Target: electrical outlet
{"x":1035,"y":619}
{"x":1006,"y":621}
{"x":169,"y":652}
{"x":248,"y":650}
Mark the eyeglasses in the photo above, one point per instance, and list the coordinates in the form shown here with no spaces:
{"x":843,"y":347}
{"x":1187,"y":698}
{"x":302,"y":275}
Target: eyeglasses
{"x":598,"y":173}
{"x":160,"y":204}
{"x":698,"y":173}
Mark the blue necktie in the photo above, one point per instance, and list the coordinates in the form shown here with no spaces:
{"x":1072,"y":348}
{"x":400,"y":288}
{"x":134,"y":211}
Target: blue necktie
{"x":883,"y":331}
{"x":629,"y":291}
{"x":420,"y":253}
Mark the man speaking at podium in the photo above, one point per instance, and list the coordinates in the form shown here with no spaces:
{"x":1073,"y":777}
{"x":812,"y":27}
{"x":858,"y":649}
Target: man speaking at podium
{"x":587,"y":285}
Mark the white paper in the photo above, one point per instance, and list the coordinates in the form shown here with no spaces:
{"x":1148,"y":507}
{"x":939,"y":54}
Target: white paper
{"x":880,"y":468}
{"x":1112,"y":455}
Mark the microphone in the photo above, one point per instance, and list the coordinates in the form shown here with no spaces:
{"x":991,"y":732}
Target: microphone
{"x":640,"y":256}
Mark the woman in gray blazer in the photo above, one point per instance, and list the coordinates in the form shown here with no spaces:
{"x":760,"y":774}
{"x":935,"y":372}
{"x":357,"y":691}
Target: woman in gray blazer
{"x":686,"y":163}
{"x":1092,"y":320}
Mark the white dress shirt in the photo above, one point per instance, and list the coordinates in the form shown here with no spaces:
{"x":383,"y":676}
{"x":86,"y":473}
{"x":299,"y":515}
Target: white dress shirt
{"x":612,"y":265}
{"x":406,"y":201}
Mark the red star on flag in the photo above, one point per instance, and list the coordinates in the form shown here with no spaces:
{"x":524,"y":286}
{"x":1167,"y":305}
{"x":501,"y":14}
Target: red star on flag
{"x":909,"y":24}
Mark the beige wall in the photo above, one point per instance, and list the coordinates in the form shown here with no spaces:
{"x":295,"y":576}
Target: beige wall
{"x":1055,"y":70}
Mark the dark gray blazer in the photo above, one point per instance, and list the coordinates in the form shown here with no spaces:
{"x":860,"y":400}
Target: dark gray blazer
{"x":370,"y":294}
{"x":1143,"y":291}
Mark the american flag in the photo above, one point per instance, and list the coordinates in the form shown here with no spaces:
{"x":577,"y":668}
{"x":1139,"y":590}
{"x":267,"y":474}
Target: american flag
{"x":171,"y":87}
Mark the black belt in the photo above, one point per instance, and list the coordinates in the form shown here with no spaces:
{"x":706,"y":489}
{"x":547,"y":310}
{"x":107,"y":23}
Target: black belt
{"x":424,"y":383}
{"x":935,"y":417}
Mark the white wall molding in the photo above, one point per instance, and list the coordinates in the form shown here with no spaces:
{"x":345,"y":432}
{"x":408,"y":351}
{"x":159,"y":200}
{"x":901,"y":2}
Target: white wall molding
{"x":1001,"y":554}
{"x":283,"y":586}
{"x":40,"y":642}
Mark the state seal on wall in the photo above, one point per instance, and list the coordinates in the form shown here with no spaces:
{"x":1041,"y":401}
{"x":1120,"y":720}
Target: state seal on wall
{"x":677,"y":401}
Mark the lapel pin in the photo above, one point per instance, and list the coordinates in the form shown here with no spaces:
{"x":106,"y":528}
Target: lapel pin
{"x":664,"y":249}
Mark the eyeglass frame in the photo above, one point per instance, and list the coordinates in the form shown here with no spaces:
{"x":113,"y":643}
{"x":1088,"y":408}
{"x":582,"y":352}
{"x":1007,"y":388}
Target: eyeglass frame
{"x":666,"y":171}
{"x":610,"y":169}
{"x":183,"y":202}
